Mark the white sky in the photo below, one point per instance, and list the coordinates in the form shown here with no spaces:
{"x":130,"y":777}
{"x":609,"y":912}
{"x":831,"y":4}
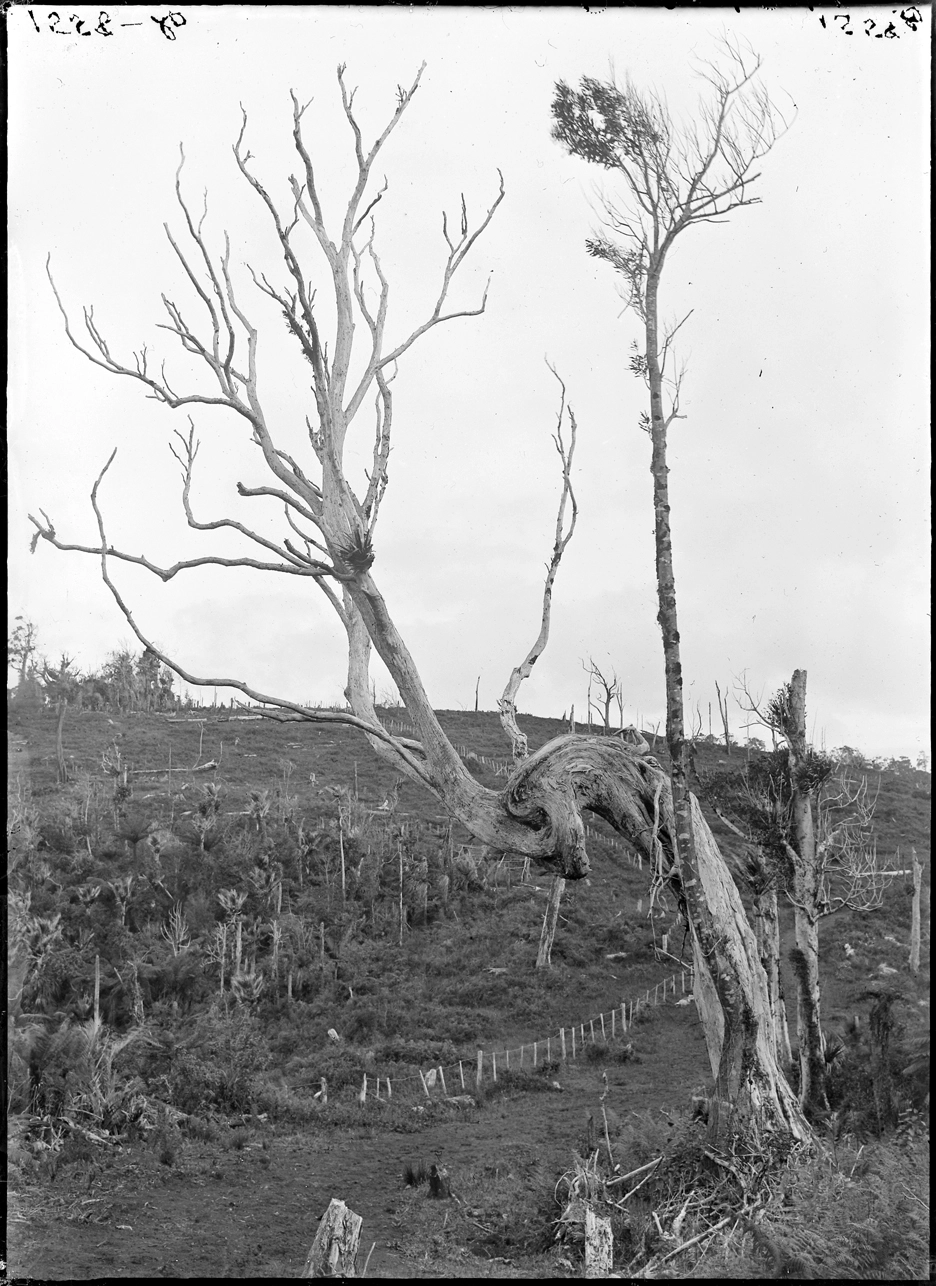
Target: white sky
{"x":799,"y":479}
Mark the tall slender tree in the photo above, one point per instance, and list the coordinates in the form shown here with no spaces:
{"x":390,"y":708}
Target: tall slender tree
{"x":673,"y":178}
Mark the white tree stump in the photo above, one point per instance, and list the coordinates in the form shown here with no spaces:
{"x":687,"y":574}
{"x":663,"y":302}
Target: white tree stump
{"x":599,"y":1245}
{"x":335,"y":1247}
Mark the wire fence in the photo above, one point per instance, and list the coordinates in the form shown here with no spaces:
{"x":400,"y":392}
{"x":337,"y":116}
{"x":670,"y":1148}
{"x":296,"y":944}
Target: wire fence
{"x":566,"y":1044}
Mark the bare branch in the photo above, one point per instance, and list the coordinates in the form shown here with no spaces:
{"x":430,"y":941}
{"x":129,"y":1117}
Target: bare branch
{"x":291,"y":501}
{"x":508,"y":703}
{"x":290,"y":709}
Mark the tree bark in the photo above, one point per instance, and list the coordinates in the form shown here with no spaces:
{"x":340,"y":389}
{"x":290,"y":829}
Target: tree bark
{"x":805,"y":896}
{"x":59,"y":747}
{"x":915,"y":913}
{"x":733,"y":1001}
{"x":767,"y":935}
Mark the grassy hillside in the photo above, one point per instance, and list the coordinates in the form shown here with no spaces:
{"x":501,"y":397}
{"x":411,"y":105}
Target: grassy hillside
{"x":297,"y":768}
{"x":387,"y":925}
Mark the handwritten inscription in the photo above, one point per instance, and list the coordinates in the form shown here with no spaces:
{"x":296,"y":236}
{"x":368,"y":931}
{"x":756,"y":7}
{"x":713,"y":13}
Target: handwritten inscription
{"x":58,"y":25}
{"x":911,"y":17}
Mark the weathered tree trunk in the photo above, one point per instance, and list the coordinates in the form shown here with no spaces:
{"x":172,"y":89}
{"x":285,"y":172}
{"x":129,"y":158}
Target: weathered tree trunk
{"x":733,"y":1001}
{"x":335,"y":1247}
{"x":59,"y":747}
{"x":915,"y":913}
{"x":767,"y":936}
{"x":723,"y":711}
{"x":805,"y":896}
{"x":599,"y":1245}
{"x":550,"y":920}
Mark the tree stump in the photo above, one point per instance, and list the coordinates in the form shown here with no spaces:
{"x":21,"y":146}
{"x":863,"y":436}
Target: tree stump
{"x":335,"y":1246}
{"x":440,"y":1186}
{"x":599,"y":1245}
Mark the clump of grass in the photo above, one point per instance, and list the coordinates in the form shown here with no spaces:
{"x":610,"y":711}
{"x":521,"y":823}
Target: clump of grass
{"x":509,"y":1082}
{"x":613,"y":1051}
{"x":415,"y":1174}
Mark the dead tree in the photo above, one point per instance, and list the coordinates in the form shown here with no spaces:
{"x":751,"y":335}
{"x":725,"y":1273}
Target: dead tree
{"x":762,"y":876}
{"x":539,"y":811}
{"x":507,"y":704}
{"x":610,"y":690}
{"x":819,"y":826}
{"x":723,"y":712}
{"x":915,"y":913}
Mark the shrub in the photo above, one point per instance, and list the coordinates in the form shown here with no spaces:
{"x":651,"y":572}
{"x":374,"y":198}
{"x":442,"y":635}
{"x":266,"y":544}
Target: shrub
{"x":221,"y":1067}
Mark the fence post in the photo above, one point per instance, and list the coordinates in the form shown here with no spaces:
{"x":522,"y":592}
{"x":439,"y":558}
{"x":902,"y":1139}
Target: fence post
{"x":494,"y":1064}
{"x":424,"y":1085}
{"x":591,"y":1023}
{"x":562,"y":1038}
{"x":603,"y":1036}
{"x":441,"y":1078}
{"x":613,"y":1021}
{"x":573,"y":1042}
{"x":362,"y":1097}
{"x":461,"y":1073}
{"x":480,"y":1067}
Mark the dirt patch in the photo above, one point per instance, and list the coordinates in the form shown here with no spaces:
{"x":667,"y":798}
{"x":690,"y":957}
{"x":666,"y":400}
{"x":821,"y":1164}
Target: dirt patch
{"x":253,"y":1212}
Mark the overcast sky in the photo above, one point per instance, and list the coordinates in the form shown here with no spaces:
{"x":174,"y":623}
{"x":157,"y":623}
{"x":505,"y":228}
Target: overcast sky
{"x":799,"y":478}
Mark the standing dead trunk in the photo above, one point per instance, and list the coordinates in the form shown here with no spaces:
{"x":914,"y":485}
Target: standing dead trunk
{"x":723,"y":712}
{"x":767,"y":936}
{"x":550,"y":920}
{"x":59,"y":747}
{"x":334,"y":1250}
{"x":805,"y":895}
{"x":732,"y":997}
{"x":915,"y":913}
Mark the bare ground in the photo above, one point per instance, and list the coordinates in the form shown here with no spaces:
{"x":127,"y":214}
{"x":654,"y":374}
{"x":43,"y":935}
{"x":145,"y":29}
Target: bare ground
{"x":253,"y":1212}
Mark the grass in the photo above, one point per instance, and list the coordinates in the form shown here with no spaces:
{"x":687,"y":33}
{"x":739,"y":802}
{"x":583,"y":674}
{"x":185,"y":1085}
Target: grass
{"x":459,"y":977}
